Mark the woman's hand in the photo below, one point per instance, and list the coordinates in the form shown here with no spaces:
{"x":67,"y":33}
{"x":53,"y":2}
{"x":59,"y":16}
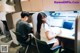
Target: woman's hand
{"x":59,"y":32}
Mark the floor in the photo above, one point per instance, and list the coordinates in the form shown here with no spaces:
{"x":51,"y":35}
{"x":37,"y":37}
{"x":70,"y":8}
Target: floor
{"x":10,"y":49}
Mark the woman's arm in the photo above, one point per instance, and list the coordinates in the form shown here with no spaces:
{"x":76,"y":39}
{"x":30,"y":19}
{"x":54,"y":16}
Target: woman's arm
{"x":51,"y":36}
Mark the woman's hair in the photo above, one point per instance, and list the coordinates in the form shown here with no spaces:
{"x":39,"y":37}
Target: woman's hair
{"x":39,"y":20}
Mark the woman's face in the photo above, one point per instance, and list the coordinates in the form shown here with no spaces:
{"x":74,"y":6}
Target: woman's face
{"x":44,"y":19}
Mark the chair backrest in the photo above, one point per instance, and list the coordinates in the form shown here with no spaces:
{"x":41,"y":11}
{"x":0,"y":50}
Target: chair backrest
{"x":2,"y":26}
{"x":15,"y":18}
{"x":34,"y":21}
{"x":17,"y":39}
{"x":14,"y":38}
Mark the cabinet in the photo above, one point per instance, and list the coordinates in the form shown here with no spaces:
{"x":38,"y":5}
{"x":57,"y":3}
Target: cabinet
{"x":1,"y":7}
{"x":15,"y":18}
{"x":36,"y":5}
{"x":71,"y":6}
{"x":26,"y":6}
{"x":32,"y":5}
{"x":48,"y":5}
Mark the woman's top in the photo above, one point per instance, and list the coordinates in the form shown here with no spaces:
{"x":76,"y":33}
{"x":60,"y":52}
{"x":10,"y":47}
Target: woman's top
{"x":52,"y":31}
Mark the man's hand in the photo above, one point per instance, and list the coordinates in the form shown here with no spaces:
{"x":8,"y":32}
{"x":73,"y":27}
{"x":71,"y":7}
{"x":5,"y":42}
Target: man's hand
{"x":31,"y":34}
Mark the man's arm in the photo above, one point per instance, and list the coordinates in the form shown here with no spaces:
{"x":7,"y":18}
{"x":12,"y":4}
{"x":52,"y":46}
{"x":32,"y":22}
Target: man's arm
{"x":29,"y":28}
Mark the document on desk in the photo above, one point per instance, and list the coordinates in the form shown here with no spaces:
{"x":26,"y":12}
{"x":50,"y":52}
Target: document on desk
{"x":55,"y":30}
{"x":67,"y":34}
{"x":64,"y":32}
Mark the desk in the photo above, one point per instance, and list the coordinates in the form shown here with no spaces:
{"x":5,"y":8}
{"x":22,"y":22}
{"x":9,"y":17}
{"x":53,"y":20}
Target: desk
{"x":68,"y":43}
{"x":67,"y":37}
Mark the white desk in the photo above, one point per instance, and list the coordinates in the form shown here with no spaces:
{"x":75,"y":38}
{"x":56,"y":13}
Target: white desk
{"x":68,"y":37}
{"x":66,"y":33}
{"x":67,"y":40}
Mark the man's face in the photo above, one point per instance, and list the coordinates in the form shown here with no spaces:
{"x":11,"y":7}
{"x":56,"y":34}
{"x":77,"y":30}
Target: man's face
{"x":26,"y":18}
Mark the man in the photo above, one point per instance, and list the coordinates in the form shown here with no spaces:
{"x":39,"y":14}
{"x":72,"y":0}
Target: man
{"x":23,"y":28}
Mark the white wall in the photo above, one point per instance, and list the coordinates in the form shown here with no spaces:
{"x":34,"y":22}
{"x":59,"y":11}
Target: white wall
{"x":2,"y":15}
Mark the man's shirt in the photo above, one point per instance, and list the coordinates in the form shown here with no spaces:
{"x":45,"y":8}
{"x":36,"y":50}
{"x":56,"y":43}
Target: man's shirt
{"x":23,"y":28}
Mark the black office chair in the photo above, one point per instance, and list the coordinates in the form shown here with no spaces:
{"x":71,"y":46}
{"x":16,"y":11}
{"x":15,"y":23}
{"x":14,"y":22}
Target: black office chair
{"x":53,"y":49}
{"x":25,"y":44}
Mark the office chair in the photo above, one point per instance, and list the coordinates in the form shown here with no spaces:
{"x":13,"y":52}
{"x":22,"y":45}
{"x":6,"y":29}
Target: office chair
{"x":16,"y":39}
{"x":25,"y":46}
{"x":2,"y":27}
{"x":34,"y":16}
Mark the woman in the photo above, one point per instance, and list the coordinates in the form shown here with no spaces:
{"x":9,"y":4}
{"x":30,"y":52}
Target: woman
{"x":44,"y":30}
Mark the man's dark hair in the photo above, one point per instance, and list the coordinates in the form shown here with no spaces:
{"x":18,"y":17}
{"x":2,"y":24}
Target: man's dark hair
{"x":24,"y":13}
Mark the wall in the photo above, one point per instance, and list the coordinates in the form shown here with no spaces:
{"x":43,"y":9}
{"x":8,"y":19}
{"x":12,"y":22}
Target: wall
{"x":78,"y":35}
{"x":2,"y":15}
{"x":15,"y":18}
{"x":9,"y":20}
